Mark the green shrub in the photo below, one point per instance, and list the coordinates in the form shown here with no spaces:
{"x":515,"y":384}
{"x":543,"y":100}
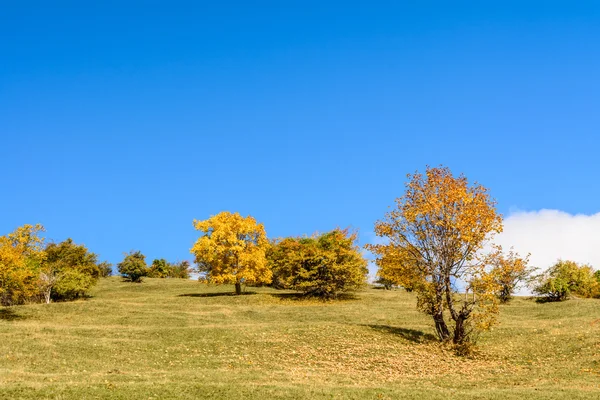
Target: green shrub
{"x":71,"y":269}
{"x":161,"y":268}
{"x":322,"y":266}
{"x":180,"y":270}
{"x":133,"y":267}
{"x":566,"y":278}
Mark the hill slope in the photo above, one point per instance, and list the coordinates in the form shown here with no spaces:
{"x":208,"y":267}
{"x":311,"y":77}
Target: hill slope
{"x":180,"y":339}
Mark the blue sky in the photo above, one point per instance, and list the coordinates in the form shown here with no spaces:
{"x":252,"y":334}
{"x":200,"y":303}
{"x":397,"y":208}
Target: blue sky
{"x":121,"y":122}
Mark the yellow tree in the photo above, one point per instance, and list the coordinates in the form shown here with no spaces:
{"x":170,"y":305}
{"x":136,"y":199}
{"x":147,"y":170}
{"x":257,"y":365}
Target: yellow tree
{"x":434,"y":237}
{"x":232,"y":250}
{"x":510,"y":270}
{"x":21,"y":258}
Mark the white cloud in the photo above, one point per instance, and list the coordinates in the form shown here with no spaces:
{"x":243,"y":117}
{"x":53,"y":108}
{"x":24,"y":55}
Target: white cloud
{"x":551,"y":234}
{"x":548,"y":235}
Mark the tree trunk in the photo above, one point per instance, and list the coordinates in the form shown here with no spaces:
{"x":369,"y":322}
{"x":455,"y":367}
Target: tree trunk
{"x":440,"y":326}
{"x":238,"y":288}
{"x":459,"y":331}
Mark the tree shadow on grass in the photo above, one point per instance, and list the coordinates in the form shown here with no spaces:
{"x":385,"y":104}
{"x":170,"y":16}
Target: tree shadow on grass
{"x":302,"y":296}
{"x":7,"y":314}
{"x":408,"y":334}
{"x":309,"y":297}
{"x":219,"y":294}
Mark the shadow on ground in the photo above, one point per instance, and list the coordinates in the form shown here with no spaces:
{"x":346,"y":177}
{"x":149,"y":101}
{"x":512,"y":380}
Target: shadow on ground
{"x":220,"y":294}
{"x":408,"y":334}
{"x":302,"y":296}
{"x":7,"y":314}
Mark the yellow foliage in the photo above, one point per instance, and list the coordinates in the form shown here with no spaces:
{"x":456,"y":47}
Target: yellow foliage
{"x":232,"y":250}
{"x":434,"y":235}
{"x":21,"y":256}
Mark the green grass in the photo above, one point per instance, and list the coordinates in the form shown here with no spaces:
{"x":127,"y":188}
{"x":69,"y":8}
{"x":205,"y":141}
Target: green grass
{"x":178,"y":339}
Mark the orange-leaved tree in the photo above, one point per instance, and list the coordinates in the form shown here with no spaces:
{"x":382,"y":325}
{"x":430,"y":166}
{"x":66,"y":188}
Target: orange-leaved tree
{"x":435,"y":236}
{"x":232,"y":250}
{"x":510,"y":271}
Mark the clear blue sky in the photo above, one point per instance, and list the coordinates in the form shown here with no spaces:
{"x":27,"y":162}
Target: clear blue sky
{"x":123,"y":121}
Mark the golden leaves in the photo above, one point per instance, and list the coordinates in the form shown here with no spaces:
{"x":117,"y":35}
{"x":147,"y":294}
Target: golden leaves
{"x":21,"y":256}
{"x":232,"y":249}
{"x":434,"y":234}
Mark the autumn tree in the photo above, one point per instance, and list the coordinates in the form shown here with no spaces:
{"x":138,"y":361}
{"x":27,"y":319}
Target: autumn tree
{"x":133,"y":267}
{"x":105,"y":269}
{"x":510,"y":271}
{"x":21,"y":258}
{"x":180,"y":270}
{"x":232,"y":250}
{"x":566,"y":278}
{"x":434,"y":237}
{"x":69,"y":270}
{"x":323,"y":266}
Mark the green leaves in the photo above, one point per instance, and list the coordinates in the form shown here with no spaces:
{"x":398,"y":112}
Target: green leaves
{"x":133,"y":267}
{"x":322,"y":266}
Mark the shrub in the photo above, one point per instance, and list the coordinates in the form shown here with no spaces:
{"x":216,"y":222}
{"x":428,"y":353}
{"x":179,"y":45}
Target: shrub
{"x":161,"y":268}
{"x":105,"y":269}
{"x":566,"y":278}
{"x":322,"y":266}
{"x":72,"y":269}
{"x":21,"y":256}
{"x":180,"y":270}
{"x":133,"y":267}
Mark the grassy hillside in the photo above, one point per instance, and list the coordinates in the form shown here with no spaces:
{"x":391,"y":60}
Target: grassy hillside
{"x":180,"y":339}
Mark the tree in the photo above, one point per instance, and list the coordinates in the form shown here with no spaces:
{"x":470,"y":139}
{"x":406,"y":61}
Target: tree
{"x":509,"y":271}
{"x":21,"y":258}
{"x":434,"y":237}
{"x":160,"y":268}
{"x":105,"y":269}
{"x":232,"y":250}
{"x":321,"y":266}
{"x":565,"y":278}
{"x":69,"y":270}
{"x":180,"y":270}
{"x":133,"y":267}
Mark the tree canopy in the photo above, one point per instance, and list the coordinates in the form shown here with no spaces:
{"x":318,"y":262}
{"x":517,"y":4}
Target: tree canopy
{"x":323,"y":265}
{"x":71,"y":268}
{"x":133,"y":267}
{"x":433,"y":239}
{"x":232,"y":250}
{"x":566,"y":278}
{"x":21,"y":257}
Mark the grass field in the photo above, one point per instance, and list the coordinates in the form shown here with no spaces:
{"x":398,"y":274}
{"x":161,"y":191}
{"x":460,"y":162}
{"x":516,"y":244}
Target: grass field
{"x":178,"y":339}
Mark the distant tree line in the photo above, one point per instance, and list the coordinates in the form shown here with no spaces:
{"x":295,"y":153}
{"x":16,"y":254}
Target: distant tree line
{"x":133,"y":268}
{"x":33,"y":270}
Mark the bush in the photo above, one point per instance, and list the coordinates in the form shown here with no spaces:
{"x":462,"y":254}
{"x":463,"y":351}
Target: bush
{"x":161,"y":268}
{"x":180,"y":270}
{"x":322,"y":266}
{"x":105,"y":269}
{"x":133,"y":267}
{"x":21,"y":256}
{"x":566,"y":278}
{"x":70,"y":270}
